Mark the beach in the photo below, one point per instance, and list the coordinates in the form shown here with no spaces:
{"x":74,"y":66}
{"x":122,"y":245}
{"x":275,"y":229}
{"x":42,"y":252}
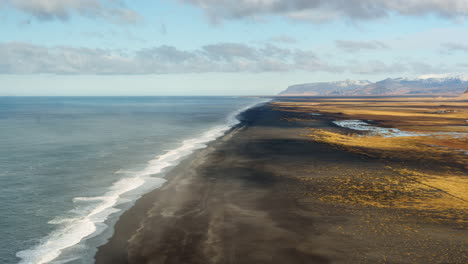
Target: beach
{"x":268,"y":192}
{"x":72,"y":165}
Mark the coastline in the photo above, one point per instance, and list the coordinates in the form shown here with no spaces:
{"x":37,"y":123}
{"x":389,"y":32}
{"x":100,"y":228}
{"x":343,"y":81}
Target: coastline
{"x":245,"y":199}
{"x":88,"y":218}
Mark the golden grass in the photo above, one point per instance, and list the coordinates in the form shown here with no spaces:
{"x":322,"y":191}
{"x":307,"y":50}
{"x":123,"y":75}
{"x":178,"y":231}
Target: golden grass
{"x":437,"y":148}
{"x":443,"y":195}
{"x":416,"y":116}
{"x":438,"y":197}
{"x":453,"y":185}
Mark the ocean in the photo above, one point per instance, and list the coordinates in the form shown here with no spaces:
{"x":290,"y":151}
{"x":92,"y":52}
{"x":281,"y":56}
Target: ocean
{"x":70,"y":166}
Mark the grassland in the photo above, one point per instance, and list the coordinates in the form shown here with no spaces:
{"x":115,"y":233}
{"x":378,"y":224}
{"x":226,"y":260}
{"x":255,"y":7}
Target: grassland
{"x":427,"y":171}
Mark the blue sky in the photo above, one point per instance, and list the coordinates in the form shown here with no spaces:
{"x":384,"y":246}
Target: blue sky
{"x":226,"y":47}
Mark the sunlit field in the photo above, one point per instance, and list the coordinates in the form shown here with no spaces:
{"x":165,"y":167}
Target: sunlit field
{"x":427,"y":155}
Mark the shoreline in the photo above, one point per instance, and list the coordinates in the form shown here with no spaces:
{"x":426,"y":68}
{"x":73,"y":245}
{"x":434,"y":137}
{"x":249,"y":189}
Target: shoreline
{"x":130,"y":219}
{"x":254,"y":181}
{"x":232,"y":124}
{"x":82,"y":236}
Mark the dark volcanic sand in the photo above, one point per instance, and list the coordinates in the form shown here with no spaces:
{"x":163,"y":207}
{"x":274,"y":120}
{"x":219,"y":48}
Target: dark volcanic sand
{"x":239,"y":201}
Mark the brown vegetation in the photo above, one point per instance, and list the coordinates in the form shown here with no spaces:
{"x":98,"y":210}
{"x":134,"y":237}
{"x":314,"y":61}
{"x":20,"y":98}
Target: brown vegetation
{"x":439,"y":190}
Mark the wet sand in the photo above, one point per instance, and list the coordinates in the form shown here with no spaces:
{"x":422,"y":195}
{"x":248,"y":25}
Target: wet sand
{"x":256,"y":196}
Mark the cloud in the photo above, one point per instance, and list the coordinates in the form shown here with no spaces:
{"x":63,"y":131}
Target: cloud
{"x":354,"y":46}
{"x":284,"y":39}
{"x":406,"y":67}
{"x":45,"y":10}
{"x":378,"y":67}
{"x":230,"y":52}
{"x":420,"y":67}
{"x":454,"y":47}
{"x":319,"y":11}
{"x":23,"y":58}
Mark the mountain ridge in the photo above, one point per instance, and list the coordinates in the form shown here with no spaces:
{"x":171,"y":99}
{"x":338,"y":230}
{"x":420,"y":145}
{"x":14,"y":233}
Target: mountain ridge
{"x":422,"y":85}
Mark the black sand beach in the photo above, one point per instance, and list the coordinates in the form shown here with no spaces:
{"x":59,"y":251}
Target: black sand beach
{"x":256,"y":196}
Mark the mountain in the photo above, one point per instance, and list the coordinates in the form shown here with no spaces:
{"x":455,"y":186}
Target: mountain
{"x":324,"y":88}
{"x":423,"y":85}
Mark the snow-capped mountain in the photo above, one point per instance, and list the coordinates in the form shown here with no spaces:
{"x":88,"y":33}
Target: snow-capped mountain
{"x":449,"y":84}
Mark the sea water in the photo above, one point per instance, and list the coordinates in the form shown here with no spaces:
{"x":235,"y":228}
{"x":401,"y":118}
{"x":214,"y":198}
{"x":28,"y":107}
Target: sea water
{"x":69,"y":166}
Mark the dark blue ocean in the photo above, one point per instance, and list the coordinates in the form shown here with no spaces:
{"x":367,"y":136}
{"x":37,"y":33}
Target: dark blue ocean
{"x":69,"y":166}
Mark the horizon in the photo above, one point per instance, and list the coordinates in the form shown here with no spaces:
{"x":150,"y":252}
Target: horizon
{"x":107,"y":48}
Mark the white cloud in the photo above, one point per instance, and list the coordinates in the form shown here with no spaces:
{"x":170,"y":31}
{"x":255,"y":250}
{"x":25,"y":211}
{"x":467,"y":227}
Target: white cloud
{"x":378,"y":67}
{"x":284,"y":39}
{"x":354,"y":46}
{"x":454,"y":47}
{"x":318,"y":11}
{"x":22,"y":58}
{"x":43,"y":10}
{"x":404,"y":68}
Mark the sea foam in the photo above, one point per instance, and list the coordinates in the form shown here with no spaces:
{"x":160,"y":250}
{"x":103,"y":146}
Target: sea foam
{"x":90,"y":221}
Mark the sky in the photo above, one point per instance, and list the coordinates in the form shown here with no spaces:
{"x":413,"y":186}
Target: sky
{"x":222,"y":47}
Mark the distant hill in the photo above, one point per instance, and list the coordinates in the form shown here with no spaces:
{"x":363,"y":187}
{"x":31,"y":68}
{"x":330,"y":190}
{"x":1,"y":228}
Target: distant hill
{"x":325,"y":88}
{"x":423,"y":85}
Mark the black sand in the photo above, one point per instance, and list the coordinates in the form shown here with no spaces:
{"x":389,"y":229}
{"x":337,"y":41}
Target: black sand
{"x":239,"y":201}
